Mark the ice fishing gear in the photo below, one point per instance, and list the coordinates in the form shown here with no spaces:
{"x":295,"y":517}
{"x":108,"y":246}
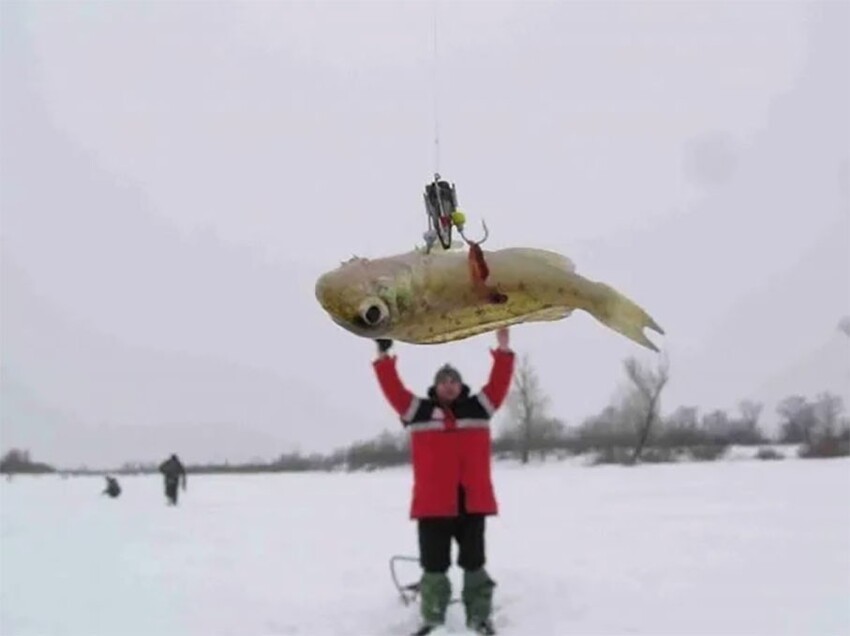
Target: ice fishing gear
{"x":409,"y":593}
{"x":441,"y":208}
{"x":443,"y":215}
{"x":440,"y":195}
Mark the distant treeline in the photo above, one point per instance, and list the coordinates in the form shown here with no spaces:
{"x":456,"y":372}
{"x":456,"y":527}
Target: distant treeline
{"x":19,"y":461}
{"x":630,"y":430}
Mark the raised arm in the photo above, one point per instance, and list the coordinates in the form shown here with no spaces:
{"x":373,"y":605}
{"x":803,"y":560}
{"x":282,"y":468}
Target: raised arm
{"x":400,"y":398}
{"x":493,"y":393}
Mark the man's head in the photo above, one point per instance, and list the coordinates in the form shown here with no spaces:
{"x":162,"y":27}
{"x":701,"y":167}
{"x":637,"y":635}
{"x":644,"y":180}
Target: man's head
{"x":447,"y":383}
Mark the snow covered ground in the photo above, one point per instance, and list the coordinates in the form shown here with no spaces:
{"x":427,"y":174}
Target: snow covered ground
{"x":732,"y":547}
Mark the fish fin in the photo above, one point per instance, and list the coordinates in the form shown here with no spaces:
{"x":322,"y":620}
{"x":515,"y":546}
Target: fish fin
{"x":478,"y":268}
{"x":479,"y":272}
{"x":555,"y":259}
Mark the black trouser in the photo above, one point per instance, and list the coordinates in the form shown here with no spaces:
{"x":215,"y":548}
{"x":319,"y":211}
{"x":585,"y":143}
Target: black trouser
{"x":171,"y":489}
{"x":435,"y":541}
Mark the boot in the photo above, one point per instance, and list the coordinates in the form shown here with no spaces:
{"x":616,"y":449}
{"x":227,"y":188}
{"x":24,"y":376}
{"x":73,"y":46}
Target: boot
{"x":484,"y":627}
{"x":435,"y":591}
{"x":478,"y":600}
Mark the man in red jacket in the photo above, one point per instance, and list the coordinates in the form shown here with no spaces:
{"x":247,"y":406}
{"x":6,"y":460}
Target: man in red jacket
{"x":453,"y":492}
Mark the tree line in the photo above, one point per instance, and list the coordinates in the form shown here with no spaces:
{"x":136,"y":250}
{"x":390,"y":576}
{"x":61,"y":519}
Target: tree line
{"x":632,"y":429}
{"x":629,"y":430}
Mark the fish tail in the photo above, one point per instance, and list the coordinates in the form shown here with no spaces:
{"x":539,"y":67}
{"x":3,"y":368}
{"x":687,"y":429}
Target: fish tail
{"x":623,"y":316}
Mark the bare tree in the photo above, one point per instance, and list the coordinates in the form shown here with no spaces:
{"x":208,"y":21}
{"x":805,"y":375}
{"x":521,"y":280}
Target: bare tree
{"x":19,"y":461}
{"x":799,"y":419}
{"x":612,"y":427}
{"x":750,"y":412}
{"x":684,"y":417}
{"x":745,"y":428}
{"x":827,"y":410}
{"x":826,"y":434}
{"x":527,"y":407}
{"x":717,"y":425}
{"x":648,"y":383}
{"x":681,"y":428}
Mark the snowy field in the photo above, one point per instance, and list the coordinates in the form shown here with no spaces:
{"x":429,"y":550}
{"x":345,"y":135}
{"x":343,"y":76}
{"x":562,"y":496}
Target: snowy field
{"x":732,"y":547}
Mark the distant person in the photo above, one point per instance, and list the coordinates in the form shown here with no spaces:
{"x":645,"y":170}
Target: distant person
{"x":113,"y":489}
{"x":173,"y":470}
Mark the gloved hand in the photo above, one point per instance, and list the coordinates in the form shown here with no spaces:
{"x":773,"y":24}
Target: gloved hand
{"x":384,"y":345}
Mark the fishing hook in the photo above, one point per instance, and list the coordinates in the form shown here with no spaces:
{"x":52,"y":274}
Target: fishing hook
{"x":468,"y":242}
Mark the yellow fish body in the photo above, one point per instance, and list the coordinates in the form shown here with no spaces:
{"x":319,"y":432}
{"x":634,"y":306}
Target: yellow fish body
{"x":422,"y":298}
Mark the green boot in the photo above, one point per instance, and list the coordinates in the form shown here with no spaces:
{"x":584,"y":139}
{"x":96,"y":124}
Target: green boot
{"x":478,"y":599}
{"x":435,"y":590}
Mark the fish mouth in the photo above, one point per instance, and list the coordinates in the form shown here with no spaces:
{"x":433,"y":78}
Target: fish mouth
{"x":370,"y":319}
{"x":364,"y":314}
{"x":346,"y":324}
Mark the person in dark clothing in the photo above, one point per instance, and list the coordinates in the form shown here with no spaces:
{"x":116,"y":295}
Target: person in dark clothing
{"x":173,"y":470}
{"x":113,"y":489}
{"x":450,"y":443}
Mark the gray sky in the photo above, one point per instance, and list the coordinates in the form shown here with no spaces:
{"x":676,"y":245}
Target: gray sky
{"x":155,"y":297}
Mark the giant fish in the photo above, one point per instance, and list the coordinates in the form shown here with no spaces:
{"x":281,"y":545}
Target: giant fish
{"x":422,"y":297}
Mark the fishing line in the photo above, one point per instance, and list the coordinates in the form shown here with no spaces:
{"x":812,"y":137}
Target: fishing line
{"x":436,"y":91}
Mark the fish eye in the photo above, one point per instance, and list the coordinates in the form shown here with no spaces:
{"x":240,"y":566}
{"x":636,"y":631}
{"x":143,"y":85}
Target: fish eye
{"x":373,"y":311}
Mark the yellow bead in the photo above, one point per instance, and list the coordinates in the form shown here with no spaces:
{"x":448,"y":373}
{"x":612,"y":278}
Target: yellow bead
{"x":458,"y":217}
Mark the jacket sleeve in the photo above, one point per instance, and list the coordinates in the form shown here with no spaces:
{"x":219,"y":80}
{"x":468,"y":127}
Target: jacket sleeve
{"x":400,"y":398}
{"x":493,"y":393}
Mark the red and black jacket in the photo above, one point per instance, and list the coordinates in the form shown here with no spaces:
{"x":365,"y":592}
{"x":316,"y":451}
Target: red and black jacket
{"x":450,"y":445}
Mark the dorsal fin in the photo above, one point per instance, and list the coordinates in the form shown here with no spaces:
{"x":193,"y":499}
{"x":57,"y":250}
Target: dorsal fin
{"x":553,"y":258}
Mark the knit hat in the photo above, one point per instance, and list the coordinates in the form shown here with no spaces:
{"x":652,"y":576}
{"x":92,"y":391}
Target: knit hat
{"x":447,"y":372}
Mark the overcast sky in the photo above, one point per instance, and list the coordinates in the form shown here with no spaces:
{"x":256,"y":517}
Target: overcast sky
{"x":157,"y":159}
